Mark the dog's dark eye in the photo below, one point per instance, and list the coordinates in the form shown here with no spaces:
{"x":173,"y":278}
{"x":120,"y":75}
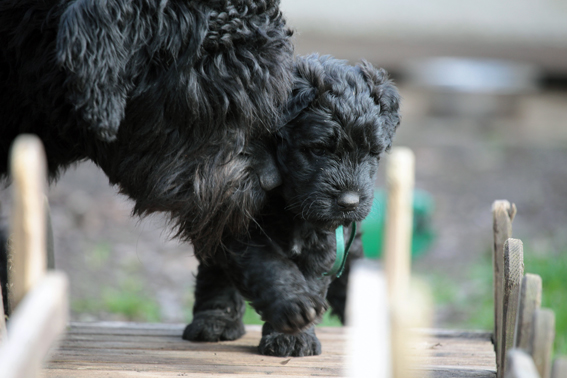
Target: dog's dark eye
{"x":375,"y":153}
{"x":318,"y":151}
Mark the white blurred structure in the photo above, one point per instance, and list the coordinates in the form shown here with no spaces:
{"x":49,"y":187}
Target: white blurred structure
{"x":390,"y":32}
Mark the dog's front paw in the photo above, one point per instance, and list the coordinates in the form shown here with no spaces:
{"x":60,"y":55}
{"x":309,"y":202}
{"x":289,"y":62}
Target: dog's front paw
{"x":293,"y":315}
{"x":282,"y":345}
{"x":214,"y":325}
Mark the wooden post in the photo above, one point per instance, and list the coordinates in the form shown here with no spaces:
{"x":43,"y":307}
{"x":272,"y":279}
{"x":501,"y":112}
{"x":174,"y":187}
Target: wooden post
{"x":399,"y":218}
{"x":502,"y":213}
{"x":513,"y":273}
{"x":520,"y":365}
{"x":530,"y":300}
{"x":28,"y":220}
{"x":541,"y":345}
{"x":37,"y":322}
{"x":368,"y":317}
{"x":559,"y":368}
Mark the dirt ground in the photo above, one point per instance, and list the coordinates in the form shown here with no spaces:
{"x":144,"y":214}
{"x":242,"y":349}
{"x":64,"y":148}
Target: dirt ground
{"x":126,"y":268}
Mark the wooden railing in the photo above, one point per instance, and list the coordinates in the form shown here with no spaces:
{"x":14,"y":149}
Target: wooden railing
{"x":524,"y":332}
{"x":38,"y":297}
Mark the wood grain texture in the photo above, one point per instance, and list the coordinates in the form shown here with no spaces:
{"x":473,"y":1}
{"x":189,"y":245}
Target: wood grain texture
{"x":530,"y":300}
{"x":502,"y":216}
{"x":513,"y":274}
{"x":37,"y":322}
{"x":559,"y":369}
{"x":519,"y":364}
{"x":28,"y":172}
{"x":157,"y":350}
{"x":541,"y":345}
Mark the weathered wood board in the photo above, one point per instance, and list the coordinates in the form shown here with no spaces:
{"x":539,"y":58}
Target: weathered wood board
{"x":157,"y":350}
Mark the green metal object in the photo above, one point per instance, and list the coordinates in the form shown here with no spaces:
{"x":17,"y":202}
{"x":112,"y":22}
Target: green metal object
{"x":373,"y":226}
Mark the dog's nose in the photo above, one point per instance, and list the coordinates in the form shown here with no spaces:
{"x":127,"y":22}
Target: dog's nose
{"x":348,"y":201}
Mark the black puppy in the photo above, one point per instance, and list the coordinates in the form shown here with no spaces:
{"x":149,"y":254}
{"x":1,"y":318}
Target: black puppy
{"x":340,"y":119}
{"x":164,"y":96}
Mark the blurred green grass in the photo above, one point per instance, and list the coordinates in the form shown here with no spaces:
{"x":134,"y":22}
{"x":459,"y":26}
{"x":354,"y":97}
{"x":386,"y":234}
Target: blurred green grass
{"x":129,"y":300}
{"x":469,"y":300}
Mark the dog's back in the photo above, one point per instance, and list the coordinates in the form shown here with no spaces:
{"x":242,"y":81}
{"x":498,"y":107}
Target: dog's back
{"x":164,"y":96}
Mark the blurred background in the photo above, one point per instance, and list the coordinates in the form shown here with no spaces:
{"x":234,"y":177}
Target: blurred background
{"x":484,"y":87}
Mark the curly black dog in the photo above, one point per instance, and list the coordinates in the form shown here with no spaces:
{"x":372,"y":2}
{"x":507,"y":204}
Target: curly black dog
{"x":340,"y":119}
{"x":165,"y":96}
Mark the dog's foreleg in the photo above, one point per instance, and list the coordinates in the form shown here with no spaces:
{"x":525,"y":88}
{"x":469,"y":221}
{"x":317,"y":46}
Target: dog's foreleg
{"x":218,"y":308}
{"x":279,"y":291}
{"x":288,"y":302}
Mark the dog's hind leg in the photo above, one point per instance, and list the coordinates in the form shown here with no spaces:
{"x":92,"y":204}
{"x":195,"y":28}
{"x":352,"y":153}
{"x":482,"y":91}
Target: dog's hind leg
{"x":301,"y":344}
{"x":218,"y":308}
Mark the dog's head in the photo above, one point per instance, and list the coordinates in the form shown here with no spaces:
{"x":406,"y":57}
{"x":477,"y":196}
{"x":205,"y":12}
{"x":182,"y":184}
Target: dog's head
{"x":339,"y":121}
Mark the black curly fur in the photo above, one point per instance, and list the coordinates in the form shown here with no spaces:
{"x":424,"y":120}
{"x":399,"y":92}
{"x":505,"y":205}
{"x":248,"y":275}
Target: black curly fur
{"x":339,"y":120}
{"x":164,"y":96}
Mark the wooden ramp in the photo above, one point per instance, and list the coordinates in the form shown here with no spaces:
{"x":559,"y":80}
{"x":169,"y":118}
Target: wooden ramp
{"x":111,"y":349}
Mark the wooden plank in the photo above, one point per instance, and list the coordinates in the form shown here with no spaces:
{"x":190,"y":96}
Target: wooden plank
{"x":28,"y":216}
{"x":398,"y":232}
{"x":454,"y":372}
{"x":559,"y":368}
{"x":541,"y":345}
{"x":520,"y":365}
{"x":202,"y":371}
{"x":120,"y":349}
{"x":368,"y":317}
{"x":282,"y":367}
{"x":36,"y":323}
{"x":502,"y":215}
{"x":530,"y":300}
{"x":513,"y":273}
{"x":68,"y":373}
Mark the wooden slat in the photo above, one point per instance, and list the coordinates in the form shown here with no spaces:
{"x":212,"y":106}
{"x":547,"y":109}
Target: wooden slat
{"x":530,"y":300}
{"x":503,"y":214}
{"x":36,"y":323}
{"x":559,"y":368}
{"x":398,"y":232}
{"x":513,"y":273}
{"x":541,"y":345}
{"x":519,"y":364}
{"x":397,"y":250}
{"x":28,"y":216}
{"x":368,"y":317}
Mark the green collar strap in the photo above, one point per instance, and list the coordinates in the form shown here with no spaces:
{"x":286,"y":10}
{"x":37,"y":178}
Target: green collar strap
{"x":342,"y":252}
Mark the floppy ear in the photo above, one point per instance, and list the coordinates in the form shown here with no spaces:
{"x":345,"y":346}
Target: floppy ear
{"x":299,"y":100}
{"x":92,"y":50}
{"x":385,"y":95}
{"x":264,"y":164}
